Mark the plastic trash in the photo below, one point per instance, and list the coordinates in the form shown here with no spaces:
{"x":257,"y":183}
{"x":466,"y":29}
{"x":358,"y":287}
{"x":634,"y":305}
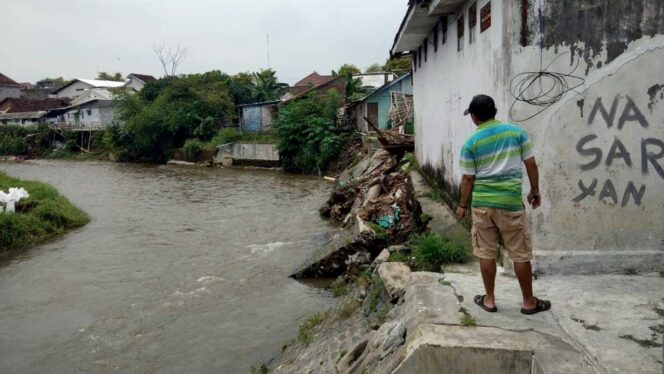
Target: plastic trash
{"x":388,"y":221}
{"x":12,"y":197}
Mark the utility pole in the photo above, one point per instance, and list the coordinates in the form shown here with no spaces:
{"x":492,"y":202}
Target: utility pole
{"x":267,"y":36}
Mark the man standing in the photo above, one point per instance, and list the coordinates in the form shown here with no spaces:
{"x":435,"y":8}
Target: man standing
{"x":491,"y":165}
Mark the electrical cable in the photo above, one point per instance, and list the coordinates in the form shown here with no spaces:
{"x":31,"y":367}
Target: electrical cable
{"x":543,"y":88}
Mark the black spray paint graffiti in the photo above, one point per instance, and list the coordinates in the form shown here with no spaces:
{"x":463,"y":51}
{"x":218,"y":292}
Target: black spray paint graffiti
{"x":651,"y":151}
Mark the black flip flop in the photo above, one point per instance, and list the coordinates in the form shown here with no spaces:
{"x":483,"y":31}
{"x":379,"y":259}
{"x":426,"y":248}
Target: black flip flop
{"x":540,"y":306}
{"x":479,"y":300}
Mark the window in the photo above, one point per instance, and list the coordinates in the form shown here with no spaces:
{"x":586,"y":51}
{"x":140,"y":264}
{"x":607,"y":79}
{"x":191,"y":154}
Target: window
{"x":426,"y":49}
{"x":89,"y":112}
{"x":472,"y":22}
{"x":460,"y":26}
{"x":485,"y":17}
{"x":435,"y":38}
{"x":444,"y":30}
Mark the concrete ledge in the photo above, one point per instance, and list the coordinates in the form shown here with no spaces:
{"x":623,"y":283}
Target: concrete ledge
{"x":598,"y":262}
{"x":255,"y":154}
{"x":465,"y":350}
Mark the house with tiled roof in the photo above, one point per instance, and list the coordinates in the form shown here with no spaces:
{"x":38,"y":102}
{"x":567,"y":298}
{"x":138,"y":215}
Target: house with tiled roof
{"x":9,"y":87}
{"x":137,"y":81}
{"x":305,"y":84}
{"x":27,"y":111}
{"x":77,"y":87}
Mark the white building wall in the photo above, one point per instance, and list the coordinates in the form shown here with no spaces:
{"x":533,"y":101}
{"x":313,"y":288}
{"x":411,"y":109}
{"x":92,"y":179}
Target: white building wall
{"x":444,"y":85}
{"x":74,"y":90}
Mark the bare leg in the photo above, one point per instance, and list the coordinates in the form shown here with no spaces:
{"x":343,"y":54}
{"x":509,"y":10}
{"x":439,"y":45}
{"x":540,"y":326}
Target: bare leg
{"x":524,"y":273}
{"x":488,"y":268}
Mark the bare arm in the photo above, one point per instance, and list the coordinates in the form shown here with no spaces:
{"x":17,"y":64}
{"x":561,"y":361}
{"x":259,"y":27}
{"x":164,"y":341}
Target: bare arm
{"x":534,"y":198}
{"x":465,"y":191}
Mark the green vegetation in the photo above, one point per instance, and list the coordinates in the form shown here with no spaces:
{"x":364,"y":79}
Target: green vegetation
{"x":308,"y":138}
{"x":168,"y":112}
{"x":44,"y":215}
{"x":377,"y":290}
{"x":466,"y":319}
{"x":339,"y":288}
{"x":430,"y":251}
{"x":12,"y":139}
{"x":306,"y":333}
{"x":348,"y":308}
{"x":399,"y":257}
{"x":104,"y":76}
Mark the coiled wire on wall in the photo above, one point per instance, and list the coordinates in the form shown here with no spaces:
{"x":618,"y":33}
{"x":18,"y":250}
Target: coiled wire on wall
{"x":543,"y":88}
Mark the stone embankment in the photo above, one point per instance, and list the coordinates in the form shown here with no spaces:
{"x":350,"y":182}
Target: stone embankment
{"x":394,"y":320}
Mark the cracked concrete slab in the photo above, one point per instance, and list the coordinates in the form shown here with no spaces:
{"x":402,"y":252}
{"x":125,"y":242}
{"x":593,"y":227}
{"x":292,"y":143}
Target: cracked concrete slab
{"x":613,"y":319}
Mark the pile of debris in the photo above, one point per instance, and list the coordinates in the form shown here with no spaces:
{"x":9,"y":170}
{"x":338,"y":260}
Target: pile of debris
{"x":375,"y":199}
{"x":394,"y":141}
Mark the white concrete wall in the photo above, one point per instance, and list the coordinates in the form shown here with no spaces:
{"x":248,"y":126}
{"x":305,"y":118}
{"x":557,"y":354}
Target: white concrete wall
{"x":135,"y":84}
{"x":444,"y":85}
{"x":73,"y":90}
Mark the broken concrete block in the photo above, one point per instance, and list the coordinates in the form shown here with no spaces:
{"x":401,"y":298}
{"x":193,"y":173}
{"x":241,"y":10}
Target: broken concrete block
{"x":382,"y":257}
{"x":395,"y":276}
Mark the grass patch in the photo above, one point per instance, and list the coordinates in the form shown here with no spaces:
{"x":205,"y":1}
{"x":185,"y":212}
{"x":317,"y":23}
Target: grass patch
{"x":348,"y":308}
{"x":44,"y":215}
{"x":430,"y":251}
{"x":233,"y":135}
{"x":398,"y":257}
{"x":306,"y":333}
{"x":466,"y":319}
{"x":376,"y":291}
{"x":339,"y":288}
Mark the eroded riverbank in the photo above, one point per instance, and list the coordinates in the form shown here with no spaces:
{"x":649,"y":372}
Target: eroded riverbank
{"x":180,"y":269}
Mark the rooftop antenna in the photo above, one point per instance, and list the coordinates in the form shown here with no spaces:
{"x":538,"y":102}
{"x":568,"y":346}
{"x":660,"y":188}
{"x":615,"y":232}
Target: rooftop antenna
{"x":267,"y":36}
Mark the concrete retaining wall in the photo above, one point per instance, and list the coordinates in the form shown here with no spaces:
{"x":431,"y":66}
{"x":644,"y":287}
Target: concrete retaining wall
{"x":247,"y":154}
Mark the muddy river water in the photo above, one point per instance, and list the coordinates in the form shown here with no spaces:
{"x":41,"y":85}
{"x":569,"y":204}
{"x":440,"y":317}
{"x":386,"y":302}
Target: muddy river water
{"x":181,"y":270}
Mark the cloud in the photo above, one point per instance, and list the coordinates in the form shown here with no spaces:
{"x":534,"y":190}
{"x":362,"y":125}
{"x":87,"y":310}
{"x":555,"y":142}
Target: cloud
{"x":77,"y":38}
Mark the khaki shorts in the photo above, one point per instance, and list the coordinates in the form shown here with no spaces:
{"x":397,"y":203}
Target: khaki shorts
{"x":489,"y":225}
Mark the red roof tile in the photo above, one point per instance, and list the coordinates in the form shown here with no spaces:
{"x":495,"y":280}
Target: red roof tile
{"x":6,"y":81}
{"x":144,"y":77}
{"x":11,"y":105}
{"x":314,"y":79}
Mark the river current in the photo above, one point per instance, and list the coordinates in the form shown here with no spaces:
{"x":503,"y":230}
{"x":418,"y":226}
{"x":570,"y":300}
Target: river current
{"x":181,"y":270}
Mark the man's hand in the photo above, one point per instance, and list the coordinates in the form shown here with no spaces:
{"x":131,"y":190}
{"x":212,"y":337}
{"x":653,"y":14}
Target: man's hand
{"x":460,"y":213}
{"x":534,"y":199}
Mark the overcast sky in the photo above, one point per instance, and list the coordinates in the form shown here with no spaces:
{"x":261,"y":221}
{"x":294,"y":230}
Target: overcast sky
{"x":77,"y":38}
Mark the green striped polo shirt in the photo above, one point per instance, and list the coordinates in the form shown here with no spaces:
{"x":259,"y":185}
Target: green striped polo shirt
{"x":494,"y":154}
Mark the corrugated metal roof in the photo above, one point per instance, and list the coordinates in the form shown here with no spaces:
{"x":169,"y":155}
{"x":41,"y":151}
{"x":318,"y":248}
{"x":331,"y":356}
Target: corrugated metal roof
{"x":102,"y":84}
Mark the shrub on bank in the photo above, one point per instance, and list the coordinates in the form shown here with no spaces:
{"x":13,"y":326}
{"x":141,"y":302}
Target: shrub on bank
{"x":42,"y":216}
{"x":308,"y":138}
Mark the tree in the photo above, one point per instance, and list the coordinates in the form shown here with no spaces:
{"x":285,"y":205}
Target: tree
{"x":374,"y":68}
{"x":346,"y":69}
{"x":267,"y":85}
{"x":170,"y":58}
{"x":104,"y":76}
{"x":243,"y":88}
{"x":308,"y":138}
{"x":398,"y":65}
{"x":189,"y":107}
